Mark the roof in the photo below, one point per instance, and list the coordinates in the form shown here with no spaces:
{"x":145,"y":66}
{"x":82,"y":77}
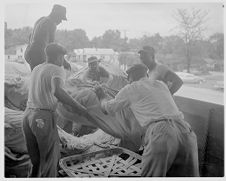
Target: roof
{"x":10,"y":51}
{"x":95,"y":51}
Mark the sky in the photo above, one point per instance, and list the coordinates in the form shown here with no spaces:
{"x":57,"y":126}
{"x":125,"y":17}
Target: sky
{"x":133,"y":18}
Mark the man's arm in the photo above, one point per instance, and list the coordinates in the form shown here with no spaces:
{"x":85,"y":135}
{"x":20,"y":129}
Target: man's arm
{"x":173,"y":81}
{"x":65,"y":98}
{"x":120,"y":101}
{"x":105,"y":77}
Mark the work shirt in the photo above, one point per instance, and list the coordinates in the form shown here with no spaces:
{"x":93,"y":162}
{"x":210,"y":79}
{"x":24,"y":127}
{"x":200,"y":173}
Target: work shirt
{"x":149,"y":100}
{"x":44,"y":32}
{"x":96,"y":75}
{"x":42,"y":87}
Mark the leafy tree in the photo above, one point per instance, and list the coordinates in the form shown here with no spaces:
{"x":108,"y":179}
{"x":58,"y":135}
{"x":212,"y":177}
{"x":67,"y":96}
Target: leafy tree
{"x":112,"y":39}
{"x":217,"y":41}
{"x":191,"y":25}
{"x":74,"y":39}
{"x":17,"y":36}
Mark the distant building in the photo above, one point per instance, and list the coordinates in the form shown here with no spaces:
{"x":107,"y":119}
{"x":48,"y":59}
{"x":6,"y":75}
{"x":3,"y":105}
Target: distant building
{"x":16,"y":53}
{"x":108,"y":55}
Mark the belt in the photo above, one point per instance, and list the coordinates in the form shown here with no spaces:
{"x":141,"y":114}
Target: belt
{"x":159,"y":120}
{"x":41,"y":109}
{"x":156,"y":121}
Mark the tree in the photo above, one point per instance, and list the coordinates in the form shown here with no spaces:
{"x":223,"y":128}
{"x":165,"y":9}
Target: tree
{"x":112,"y":39}
{"x":17,"y":36}
{"x":217,"y":41}
{"x":96,"y":42}
{"x":154,"y":41}
{"x":74,"y":39}
{"x":191,"y":25}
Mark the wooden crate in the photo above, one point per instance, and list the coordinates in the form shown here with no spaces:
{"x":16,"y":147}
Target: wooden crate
{"x":112,"y":162}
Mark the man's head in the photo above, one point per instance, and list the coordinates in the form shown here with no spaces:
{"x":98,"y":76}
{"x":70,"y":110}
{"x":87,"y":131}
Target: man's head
{"x":147,"y":54}
{"x":58,"y":13}
{"x":93,"y":63}
{"x":136,"y":72}
{"x":55,"y":53}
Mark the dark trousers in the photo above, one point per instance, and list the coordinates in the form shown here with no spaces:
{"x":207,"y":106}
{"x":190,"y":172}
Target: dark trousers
{"x":35,"y":55}
{"x":42,"y":140}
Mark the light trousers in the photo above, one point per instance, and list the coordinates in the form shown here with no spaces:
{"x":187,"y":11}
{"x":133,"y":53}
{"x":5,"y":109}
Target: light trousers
{"x":170,"y":150}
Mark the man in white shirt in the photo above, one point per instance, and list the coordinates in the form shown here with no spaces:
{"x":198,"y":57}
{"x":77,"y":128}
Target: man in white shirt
{"x":170,"y":146}
{"x":39,"y":123}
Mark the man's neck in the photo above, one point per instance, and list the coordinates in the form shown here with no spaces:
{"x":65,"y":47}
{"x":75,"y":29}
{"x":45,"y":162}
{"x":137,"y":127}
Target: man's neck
{"x":151,"y":65}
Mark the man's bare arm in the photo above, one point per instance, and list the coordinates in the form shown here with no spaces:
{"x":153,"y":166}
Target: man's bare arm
{"x":174,"y":80}
{"x":65,"y":98}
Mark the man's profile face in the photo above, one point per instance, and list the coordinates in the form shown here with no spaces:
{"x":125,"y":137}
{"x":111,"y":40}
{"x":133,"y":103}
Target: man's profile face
{"x":146,"y":57}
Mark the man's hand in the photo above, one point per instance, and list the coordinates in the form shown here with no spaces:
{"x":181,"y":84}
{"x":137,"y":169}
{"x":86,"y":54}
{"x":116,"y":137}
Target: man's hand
{"x":67,"y":65}
{"x":99,"y":92}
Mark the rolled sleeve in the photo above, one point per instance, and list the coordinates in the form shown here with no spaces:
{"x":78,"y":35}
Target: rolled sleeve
{"x":58,"y":74}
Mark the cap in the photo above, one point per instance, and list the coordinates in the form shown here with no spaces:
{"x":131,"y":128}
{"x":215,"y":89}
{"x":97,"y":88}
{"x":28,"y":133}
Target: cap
{"x":60,"y":11}
{"x":137,"y":68}
{"x":148,"y":50}
{"x":53,"y":49}
{"x":92,"y":59}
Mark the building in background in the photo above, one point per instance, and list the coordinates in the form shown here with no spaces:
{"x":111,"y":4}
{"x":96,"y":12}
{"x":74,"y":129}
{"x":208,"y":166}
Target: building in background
{"x":108,"y":55}
{"x":15,"y":54}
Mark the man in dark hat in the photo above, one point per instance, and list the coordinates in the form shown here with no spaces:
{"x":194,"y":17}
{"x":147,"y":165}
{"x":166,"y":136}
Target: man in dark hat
{"x":43,"y":34}
{"x":39,"y":122}
{"x":158,"y":71}
{"x":95,"y":72}
{"x":170,"y":145}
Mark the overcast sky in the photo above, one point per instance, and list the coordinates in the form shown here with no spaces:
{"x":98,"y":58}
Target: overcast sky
{"x":95,"y":18}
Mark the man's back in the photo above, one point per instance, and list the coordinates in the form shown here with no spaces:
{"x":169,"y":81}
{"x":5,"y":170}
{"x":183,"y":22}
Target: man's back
{"x":43,"y":32}
{"x":41,"y":90}
{"x":151,"y":100}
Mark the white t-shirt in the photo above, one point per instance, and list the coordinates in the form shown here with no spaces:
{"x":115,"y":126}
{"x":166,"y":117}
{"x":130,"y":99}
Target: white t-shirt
{"x":42,"y":88}
{"x":149,"y":100}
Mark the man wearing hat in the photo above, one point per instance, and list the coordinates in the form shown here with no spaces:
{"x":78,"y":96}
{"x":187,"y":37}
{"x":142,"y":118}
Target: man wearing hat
{"x":170,"y":145}
{"x":43,"y":34}
{"x":158,"y":71}
{"x":39,"y":122}
{"x":96,"y":72}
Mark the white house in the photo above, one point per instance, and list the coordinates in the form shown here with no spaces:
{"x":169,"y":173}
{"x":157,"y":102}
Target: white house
{"x":16,"y":53}
{"x":104,"y":54}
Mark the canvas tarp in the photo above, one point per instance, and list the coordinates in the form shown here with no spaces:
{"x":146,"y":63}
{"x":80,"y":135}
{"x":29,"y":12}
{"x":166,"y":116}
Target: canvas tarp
{"x":122,"y":125}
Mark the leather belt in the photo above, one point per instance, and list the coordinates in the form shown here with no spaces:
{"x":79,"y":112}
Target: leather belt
{"x":42,"y":109}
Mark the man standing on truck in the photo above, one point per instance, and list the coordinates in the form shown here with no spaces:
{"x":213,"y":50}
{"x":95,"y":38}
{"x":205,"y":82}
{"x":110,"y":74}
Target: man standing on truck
{"x":170,"y":145}
{"x":43,"y":34}
{"x":158,"y":71}
{"x":39,"y":122}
